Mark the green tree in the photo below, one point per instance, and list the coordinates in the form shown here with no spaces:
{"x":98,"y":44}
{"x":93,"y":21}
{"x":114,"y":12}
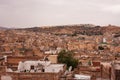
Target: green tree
{"x":67,"y":57}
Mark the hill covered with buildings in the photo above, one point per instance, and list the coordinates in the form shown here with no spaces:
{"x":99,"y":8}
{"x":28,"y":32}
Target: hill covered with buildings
{"x":92,"y":46}
{"x":37,"y":40}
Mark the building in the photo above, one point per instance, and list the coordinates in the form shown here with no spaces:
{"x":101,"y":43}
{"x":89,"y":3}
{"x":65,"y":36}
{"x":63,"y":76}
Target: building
{"x":115,"y":70}
{"x":53,"y":58}
{"x":29,"y":68}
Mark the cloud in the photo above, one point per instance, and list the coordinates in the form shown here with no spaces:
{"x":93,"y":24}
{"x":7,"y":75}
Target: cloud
{"x":26,"y":13}
{"x":115,"y":9}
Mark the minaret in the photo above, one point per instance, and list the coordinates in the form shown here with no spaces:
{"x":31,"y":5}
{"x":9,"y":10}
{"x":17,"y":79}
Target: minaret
{"x":104,"y":40}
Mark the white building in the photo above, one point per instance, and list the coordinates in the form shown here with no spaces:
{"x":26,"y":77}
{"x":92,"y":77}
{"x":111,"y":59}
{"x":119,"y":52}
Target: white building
{"x":40,"y":66}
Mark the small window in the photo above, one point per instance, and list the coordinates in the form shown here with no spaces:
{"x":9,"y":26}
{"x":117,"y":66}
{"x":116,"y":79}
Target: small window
{"x":32,"y":66}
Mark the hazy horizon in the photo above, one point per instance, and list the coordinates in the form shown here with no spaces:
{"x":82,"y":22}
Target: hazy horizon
{"x":31,"y":13}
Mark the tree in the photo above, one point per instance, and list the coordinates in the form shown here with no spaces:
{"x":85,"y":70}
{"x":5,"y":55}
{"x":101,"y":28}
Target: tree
{"x":67,"y":57}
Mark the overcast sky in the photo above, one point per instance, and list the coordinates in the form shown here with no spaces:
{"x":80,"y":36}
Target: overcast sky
{"x":31,"y":13}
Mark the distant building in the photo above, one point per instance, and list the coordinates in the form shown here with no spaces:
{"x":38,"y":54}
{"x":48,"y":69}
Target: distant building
{"x":115,"y":70}
{"x":104,"y":40}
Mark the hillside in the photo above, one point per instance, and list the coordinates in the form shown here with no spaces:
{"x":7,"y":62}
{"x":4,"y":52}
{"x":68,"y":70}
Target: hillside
{"x":76,"y":29}
{"x":37,"y":40}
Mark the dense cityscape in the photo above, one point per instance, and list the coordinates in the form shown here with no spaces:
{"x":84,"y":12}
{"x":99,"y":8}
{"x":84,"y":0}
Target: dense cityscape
{"x":65,"y":52}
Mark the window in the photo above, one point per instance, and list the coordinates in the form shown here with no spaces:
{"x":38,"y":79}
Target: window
{"x":32,"y":67}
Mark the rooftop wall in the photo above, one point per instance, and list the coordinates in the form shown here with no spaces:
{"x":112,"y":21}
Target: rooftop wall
{"x":34,"y":76}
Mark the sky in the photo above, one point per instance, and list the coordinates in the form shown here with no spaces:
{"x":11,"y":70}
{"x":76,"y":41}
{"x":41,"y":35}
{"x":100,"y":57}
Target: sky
{"x":32,"y":13}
